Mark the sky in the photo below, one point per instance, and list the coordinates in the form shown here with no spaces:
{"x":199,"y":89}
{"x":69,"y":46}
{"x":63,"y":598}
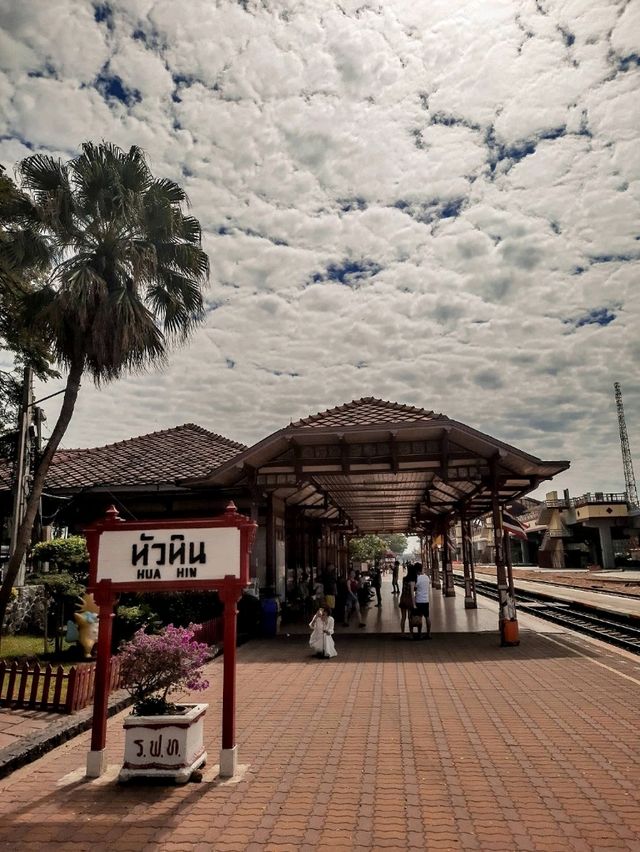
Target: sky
{"x":428,"y":202}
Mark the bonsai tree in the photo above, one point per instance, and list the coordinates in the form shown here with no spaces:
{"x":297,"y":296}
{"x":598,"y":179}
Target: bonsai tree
{"x":154,"y":666}
{"x":65,"y":582}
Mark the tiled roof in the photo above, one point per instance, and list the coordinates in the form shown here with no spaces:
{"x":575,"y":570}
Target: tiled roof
{"x":368,"y":411}
{"x":158,"y":458}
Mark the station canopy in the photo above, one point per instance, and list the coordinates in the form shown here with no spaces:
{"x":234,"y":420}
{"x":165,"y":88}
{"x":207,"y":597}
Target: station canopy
{"x":371,"y":466}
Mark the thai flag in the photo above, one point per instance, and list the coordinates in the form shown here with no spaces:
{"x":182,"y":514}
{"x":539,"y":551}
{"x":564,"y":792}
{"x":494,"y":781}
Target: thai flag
{"x":513,"y":526}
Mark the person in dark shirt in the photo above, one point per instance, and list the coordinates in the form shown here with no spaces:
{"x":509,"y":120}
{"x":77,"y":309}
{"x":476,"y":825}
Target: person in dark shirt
{"x":395,"y":571}
{"x":376,"y":583}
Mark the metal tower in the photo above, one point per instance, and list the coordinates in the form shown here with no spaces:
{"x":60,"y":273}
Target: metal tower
{"x":629,"y":476}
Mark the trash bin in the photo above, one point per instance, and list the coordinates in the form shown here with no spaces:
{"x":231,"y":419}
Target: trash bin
{"x":270,"y":610}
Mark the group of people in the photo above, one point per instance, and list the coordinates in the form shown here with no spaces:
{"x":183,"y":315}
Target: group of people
{"x":414,"y":604}
{"x":414,"y":601}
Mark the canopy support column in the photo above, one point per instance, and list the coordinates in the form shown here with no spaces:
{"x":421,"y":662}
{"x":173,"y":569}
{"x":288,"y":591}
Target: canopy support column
{"x":507,"y":550}
{"x":270,"y":560}
{"x":470,"y":601}
{"x":426,"y":546}
{"x":435,"y":568}
{"x":507,"y":619}
{"x":448,"y":587}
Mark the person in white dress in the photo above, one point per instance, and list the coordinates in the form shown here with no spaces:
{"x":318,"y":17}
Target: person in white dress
{"x":321,"y":640}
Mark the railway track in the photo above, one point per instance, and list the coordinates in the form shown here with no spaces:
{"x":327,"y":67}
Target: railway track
{"x":620,"y":630}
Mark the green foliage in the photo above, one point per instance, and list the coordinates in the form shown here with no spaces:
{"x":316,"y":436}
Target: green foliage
{"x":397,"y":543}
{"x":69,"y":554}
{"x":59,"y":585}
{"x":179,"y":608}
{"x":10,"y":395}
{"x":122,"y":263}
{"x":367,"y":548}
{"x":129,"y":619}
{"x":66,"y":582}
{"x":24,"y":260}
{"x":100,"y":262}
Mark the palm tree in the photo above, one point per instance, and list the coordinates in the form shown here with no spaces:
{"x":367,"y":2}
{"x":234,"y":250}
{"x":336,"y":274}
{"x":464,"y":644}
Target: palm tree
{"x":125,"y":271}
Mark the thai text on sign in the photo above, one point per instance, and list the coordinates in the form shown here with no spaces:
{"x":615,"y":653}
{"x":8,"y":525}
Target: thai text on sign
{"x":175,"y":555}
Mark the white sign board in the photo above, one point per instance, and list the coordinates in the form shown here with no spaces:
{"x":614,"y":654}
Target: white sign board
{"x":169,"y":555}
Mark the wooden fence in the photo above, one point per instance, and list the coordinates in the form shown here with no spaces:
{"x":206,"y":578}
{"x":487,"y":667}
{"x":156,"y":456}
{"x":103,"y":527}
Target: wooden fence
{"x":211,"y":631}
{"x":51,"y":687}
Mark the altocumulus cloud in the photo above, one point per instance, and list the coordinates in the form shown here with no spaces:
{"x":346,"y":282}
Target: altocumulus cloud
{"x":424,"y":201}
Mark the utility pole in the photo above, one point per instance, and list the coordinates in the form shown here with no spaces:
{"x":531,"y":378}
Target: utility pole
{"x":22,"y":464}
{"x":627,"y":463}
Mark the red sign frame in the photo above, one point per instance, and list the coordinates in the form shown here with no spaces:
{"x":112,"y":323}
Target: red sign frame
{"x":113,"y":523}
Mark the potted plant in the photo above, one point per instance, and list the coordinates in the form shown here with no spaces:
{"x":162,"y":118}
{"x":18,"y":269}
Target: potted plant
{"x":163,"y":739}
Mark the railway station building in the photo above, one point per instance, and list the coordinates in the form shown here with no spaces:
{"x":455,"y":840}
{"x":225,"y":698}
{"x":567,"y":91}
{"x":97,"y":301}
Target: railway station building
{"x":368,"y":466}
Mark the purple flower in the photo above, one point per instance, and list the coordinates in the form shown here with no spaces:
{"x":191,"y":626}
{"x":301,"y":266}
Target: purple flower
{"x":164,"y":663}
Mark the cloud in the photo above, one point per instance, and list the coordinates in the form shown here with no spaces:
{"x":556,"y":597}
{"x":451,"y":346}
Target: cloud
{"x":435,"y":203}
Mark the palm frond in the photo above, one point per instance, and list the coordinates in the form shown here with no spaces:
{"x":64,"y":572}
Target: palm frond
{"x":43,"y":174}
{"x":24,"y":252}
{"x":169,"y":191}
{"x":188,"y":228}
{"x":185,"y":258}
{"x":127,"y":267}
{"x":177,"y":301}
{"x":125,"y":337}
{"x":48,"y":180}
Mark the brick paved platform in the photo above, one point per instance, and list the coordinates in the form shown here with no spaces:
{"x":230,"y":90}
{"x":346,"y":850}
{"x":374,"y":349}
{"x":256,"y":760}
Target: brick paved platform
{"x":395,"y":744}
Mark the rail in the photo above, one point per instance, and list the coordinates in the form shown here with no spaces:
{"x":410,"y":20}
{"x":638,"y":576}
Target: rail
{"x":615,"y":629}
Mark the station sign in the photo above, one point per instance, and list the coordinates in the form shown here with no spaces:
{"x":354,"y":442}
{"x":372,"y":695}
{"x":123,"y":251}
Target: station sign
{"x":169,"y":555}
{"x":196,"y":554}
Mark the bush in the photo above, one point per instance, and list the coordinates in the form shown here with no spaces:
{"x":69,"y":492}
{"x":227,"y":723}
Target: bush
{"x":64,"y":554}
{"x":129,"y":619}
{"x":179,"y":608}
{"x":152,"y":667}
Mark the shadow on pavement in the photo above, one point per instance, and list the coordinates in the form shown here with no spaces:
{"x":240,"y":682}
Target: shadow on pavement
{"x":443,"y":647}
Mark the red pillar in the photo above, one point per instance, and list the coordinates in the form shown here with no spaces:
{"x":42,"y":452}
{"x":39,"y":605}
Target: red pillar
{"x":507,"y":619}
{"x":228,"y":754}
{"x":470,"y":601}
{"x":448,"y":587}
{"x":96,"y":758}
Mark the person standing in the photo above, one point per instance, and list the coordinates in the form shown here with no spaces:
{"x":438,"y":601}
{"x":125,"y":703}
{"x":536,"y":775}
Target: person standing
{"x":422,"y":589}
{"x":352,"y":604}
{"x":394,"y":578}
{"x":376,"y":583}
{"x":407,"y":599}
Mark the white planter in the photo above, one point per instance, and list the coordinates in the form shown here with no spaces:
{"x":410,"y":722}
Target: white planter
{"x":169,"y":747}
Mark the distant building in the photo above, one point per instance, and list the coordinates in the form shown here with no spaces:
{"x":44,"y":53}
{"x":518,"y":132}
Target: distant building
{"x":597,"y":528}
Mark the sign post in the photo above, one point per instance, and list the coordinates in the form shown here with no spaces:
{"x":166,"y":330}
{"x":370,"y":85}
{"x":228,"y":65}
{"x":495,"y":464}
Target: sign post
{"x":228,"y":753}
{"x":196,"y":554}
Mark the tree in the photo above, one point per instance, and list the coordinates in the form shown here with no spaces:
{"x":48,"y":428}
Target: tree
{"x":65,"y":581}
{"x":367,"y":548}
{"x":121,"y":275}
{"x":22,"y":261}
{"x":397,"y":543}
